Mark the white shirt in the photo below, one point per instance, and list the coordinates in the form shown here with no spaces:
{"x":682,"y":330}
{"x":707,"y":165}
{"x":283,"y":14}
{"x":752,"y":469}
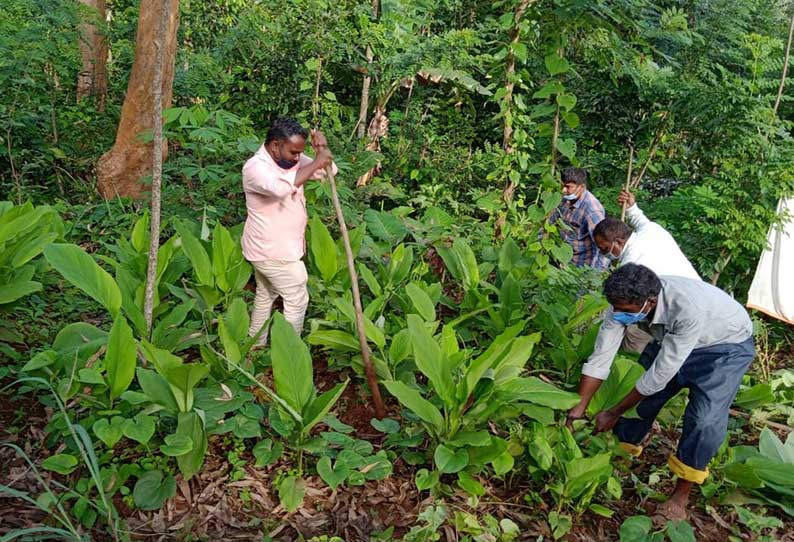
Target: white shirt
{"x":653,"y":246}
{"x":689,"y":314}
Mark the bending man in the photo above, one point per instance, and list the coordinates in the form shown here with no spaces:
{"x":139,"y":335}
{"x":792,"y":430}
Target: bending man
{"x":703,"y":341}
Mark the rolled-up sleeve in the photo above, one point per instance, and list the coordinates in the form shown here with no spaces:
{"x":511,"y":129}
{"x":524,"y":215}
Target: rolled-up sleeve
{"x":607,"y":344}
{"x":677,"y":344}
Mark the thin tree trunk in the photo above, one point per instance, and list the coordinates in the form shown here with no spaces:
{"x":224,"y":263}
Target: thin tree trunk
{"x":92,"y":80}
{"x":507,"y":110}
{"x":361,"y":125}
{"x":785,"y":63}
{"x":157,"y":164}
{"x":122,"y":170}
{"x":628,"y":180}
{"x":364,"y":107}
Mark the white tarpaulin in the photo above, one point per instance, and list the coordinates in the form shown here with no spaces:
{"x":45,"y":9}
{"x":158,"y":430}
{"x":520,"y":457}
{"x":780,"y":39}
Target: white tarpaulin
{"x":772,"y":291}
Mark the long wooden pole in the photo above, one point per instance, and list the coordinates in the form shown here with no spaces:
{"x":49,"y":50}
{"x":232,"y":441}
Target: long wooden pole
{"x":628,"y":180}
{"x":369,"y":369}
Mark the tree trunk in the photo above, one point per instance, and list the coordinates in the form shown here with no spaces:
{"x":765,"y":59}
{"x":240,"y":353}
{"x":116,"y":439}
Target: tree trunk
{"x":157,"y":165}
{"x":507,"y":131}
{"x":92,"y":80}
{"x":364,"y":107}
{"x":122,"y":170}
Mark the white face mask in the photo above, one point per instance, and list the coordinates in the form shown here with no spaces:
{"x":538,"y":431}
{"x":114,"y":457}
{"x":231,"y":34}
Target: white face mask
{"x":610,"y":255}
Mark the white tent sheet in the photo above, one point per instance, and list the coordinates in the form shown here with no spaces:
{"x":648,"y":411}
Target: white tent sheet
{"x":772,"y":291}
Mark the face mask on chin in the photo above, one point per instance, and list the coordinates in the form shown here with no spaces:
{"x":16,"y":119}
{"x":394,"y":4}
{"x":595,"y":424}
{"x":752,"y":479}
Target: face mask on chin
{"x":610,"y":255}
{"x":571,"y":197}
{"x":281,"y":162}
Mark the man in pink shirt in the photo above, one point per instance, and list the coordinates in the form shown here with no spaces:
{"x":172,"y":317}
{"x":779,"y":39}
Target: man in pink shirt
{"x":274,"y":234}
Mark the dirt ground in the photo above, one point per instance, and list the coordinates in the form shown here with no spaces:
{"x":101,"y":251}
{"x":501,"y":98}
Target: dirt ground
{"x":214,"y":506}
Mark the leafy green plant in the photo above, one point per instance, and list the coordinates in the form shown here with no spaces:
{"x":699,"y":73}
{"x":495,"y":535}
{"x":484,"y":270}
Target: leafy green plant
{"x":766,"y":472}
{"x":24,"y":232}
{"x":466,"y":393}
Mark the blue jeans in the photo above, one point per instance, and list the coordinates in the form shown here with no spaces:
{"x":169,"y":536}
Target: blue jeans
{"x":713,"y":375}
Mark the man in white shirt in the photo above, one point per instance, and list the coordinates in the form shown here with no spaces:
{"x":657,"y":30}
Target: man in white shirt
{"x":646,"y":244}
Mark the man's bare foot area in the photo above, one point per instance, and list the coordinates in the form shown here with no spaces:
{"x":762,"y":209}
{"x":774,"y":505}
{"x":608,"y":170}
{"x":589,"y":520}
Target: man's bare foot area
{"x":669,"y":511}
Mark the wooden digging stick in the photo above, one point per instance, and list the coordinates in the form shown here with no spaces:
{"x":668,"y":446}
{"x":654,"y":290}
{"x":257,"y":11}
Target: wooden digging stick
{"x":628,"y":181}
{"x":369,"y":369}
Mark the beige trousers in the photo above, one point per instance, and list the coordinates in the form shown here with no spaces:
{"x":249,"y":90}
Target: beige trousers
{"x":277,"y":278}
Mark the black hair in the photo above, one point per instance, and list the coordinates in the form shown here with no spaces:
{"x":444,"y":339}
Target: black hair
{"x":285,"y":128}
{"x":632,"y":283}
{"x":612,"y":229}
{"x":574,"y":175}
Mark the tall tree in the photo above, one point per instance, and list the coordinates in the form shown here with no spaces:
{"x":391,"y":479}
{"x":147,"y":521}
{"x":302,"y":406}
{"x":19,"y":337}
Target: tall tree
{"x":122,"y":170}
{"x":92,"y":80}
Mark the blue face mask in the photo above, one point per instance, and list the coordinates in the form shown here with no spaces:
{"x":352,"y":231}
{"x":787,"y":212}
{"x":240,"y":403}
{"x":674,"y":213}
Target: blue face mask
{"x":570,"y":197}
{"x":629,"y":318}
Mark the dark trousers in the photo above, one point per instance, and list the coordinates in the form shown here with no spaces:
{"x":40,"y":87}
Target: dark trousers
{"x":713,"y":375}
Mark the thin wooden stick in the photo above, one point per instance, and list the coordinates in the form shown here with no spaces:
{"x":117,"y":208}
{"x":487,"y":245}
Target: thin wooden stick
{"x":773,"y":425}
{"x":369,"y":369}
{"x":628,"y":180}
{"x":656,"y":140}
{"x":785,"y":63}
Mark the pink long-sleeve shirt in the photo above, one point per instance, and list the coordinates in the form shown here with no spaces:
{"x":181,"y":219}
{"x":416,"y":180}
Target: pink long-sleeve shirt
{"x":276,"y":225}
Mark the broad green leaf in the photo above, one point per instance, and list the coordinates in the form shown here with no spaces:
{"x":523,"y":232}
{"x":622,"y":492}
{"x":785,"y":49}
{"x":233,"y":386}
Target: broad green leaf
{"x":182,"y":380}
{"x":369,"y":278}
{"x":120,"y":357}
{"x":430,"y":360}
{"x":176,"y":445}
{"x":18,"y":290}
{"x":190,"y":425}
{"x":417,"y":404}
{"x":556,"y":64}
{"x":140,"y":234}
{"x":488,"y":359}
{"x":470,"y":438}
{"x":293,"y":375}
{"x":291,"y":492}
{"x":40,"y":360}
{"x":536,"y":391}
{"x":770,"y":446}
{"x":60,"y":463}
{"x":503,"y":464}
{"x":320,"y":406}
{"x":140,"y":428}
{"x":266,"y":452}
{"x":541,"y":452}
{"x":755,"y":396}
{"x":582,"y":472}
{"x":223,"y":249}
{"x":90,"y":376}
{"x":400,"y":347}
{"x":566,"y":101}
{"x":323,"y":249}
{"x":426,"y":480}
{"x":333,"y":338}
{"x":109,"y":431}
{"x":152,"y":490}
{"x":230,"y":346}
{"x":157,"y":389}
{"x":449,"y":460}
{"x":197,"y":255}
{"x":333,"y":476}
{"x":567,"y":147}
{"x":81,"y":270}
{"x":386,"y":425}
{"x":421,"y":301}
{"x":680,"y":531}
{"x":470,"y":485}
{"x":385,"y":226}
{"x":621,"y":380}
{"x":237,"y":320}
{"x":636,"y":529}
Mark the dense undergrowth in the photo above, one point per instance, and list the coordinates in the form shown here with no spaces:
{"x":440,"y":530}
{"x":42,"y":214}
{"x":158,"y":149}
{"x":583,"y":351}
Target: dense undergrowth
{"x":477,"y":324}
